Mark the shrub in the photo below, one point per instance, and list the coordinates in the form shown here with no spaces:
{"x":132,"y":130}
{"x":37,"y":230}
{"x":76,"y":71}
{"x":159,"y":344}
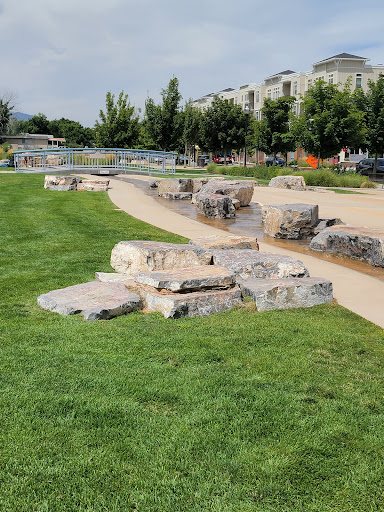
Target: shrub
{"x":212,"y":168}
{"x":368,"y":184}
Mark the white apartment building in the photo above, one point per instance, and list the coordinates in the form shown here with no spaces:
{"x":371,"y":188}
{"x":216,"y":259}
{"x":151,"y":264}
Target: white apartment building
{"x":334,"y":70}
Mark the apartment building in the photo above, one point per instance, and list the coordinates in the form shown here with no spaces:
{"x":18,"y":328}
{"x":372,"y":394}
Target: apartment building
{"x":334,"y":70}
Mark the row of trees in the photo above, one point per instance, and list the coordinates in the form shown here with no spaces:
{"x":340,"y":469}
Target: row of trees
{"x":330,"y":119}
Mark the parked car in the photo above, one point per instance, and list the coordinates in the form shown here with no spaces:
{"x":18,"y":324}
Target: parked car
{"x":222,"y":160}
{"x":182,"y":160}
{"x":280,"y":162}
{"x":365,"y":166}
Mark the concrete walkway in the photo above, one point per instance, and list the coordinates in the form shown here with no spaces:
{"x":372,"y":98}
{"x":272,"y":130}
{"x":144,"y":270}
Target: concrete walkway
{"x":358,"y":292}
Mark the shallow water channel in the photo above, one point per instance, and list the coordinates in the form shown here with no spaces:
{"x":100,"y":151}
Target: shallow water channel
{"x":248,"y":223}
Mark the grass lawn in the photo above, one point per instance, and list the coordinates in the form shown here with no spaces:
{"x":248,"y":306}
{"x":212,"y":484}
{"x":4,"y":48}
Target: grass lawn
{"x":343,"y":191}
{"x":240,"y":411}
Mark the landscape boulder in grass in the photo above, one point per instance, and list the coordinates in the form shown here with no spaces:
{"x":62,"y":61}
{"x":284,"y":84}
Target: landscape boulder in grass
{"x":187,"y":279}
{"x":366,"y":244}
{"x":293,"y":182}
{"x":93,"y":185}
{"x":177,"y":305}
{"x":215,"y":206}
{"x":226,"y":242}
{"x":61,"y":182}
{"x":294,"y":221}
{"x":240,"y":190}
{"x":247,"y":263}
{"x":174,"y":185}
{"x":94,"y":300}
{"x":287,"y":293}
{"x":131,"y":257}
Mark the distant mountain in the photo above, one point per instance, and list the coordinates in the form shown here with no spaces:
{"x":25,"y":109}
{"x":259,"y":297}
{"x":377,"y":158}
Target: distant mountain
{"x":20,"y":116}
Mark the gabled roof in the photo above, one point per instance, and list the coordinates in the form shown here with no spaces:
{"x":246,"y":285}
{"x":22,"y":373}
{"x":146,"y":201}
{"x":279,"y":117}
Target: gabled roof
{"x":347,"y":56}
{"x":282,"y":73}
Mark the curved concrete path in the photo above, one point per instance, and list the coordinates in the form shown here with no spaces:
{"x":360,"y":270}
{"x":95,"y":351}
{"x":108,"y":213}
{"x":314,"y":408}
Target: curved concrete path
{"x":358,"y":292}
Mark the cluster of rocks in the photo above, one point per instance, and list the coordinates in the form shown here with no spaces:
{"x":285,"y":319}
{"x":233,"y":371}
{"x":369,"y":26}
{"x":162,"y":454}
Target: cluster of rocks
{"x":366,"y":244}
{"x":214,"y":197}
{"x":75,"y":183}
{"x":206,"y":276}
{"x":294,"y":221}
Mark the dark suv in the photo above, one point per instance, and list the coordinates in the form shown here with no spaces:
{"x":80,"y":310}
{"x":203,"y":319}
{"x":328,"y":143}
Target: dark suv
{"x":277,"y":161}
{"x":365,"y":166}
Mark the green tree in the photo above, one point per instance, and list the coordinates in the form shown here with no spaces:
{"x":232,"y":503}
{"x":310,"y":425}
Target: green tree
{"x":223,"y":127}
{"x":37,"y":124}
{"x":6,"y":107}
{"x":330,"y":120}
{"x":191,"y":121}
{"x":163,"y":123}
{"x":74,"y":133}
{"x":274,"y":133}
{"x":119,"y":124}
{"x":374,"y":118}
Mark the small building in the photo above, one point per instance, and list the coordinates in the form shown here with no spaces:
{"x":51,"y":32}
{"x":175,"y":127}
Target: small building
{"x":33,"y":141}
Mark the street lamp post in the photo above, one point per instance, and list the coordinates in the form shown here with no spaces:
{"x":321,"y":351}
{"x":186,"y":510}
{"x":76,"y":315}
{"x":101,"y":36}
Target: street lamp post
{"x":246,"y":112}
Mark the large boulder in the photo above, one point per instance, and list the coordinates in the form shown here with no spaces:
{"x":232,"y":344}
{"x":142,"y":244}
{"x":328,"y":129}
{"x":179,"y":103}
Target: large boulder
{"x":93,"y":185}
{"x":154,"y":182}
{"x":133,"y":256}
{"x":174,"y":185}
{"x":287,"y":293}
{"x":295,"y":221}
{"x":198,"y":183}
{"x":240,"y":190}
{"x":187,"y":279}
{"x":177,"y":305}
{"x":215,"y":206}
{"x":366,"y":244}
{"x":226,"y":242}
{"x":246,"y":263}
{"x":94,"y":300}
{"x":61,"y":182}
{"x":294,"y":182}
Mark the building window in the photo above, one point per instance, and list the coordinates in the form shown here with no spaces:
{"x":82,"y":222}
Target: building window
{"x":246,"y":97}
{"x":235,"y":101}
{"x":294,"y":88}
{"x":257,"y":115}
{"x":309,"y":84}
{"x":358,"y":80}
{"x":330,"y":79}
{"x":257,"y":97}
{"x":269,"y":93}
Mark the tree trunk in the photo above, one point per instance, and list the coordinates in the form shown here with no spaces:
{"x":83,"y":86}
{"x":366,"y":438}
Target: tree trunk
{"x":375,"y":164}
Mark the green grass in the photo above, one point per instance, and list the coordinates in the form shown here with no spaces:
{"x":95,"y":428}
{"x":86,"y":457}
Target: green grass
{"x":241,"y":411}
{"x":343,"y":191}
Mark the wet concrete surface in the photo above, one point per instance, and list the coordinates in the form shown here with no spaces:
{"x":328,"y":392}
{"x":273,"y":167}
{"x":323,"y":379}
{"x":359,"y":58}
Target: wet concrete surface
{"x":248,"y":223}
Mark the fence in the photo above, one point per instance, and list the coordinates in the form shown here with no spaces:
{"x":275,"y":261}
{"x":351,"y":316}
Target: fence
{"x":95,"y":160}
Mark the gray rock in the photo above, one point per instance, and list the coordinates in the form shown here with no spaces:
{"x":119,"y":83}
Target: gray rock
{"x":113,"y":277}
{"x":94,"y":300}
{"x":293,"y":182}
{"x":154,"y":182}
{"x":93,"y":185}
{"x":240,"y":190}
{"x":326,"y":223}
{"x":134,"y":256}
{"x":225,"y":242}
{"x":191,"y":278}
{"x":287,"y":293}
{"x":197,"y":184}
{"x":294,"y":221}
{"x":179,"y":305}
{"x":215,"y":206}
{"x":177,"y":195}
{"x":366,"y":244}
{"x":61,"y":182}
{"x":174,"y":185}
{"x":247,"y":263}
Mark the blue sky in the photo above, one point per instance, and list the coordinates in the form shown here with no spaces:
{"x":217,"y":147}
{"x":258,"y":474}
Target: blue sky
{"x":60,"y":58}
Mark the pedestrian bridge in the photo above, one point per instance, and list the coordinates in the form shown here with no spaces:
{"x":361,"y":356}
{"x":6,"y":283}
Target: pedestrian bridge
{"x":94,"y":161}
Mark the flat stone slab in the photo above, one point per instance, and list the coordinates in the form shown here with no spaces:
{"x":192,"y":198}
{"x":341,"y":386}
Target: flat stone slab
{"x":94,"y":300}
{"x":191,"y":278}
{"x":247,"y":263}
{"x":177,"y":195}
{"x":288,"y":293}
{"x":61,"y":182}
{"x":132,"y":257}
{"x":114,"y":277}
{"x":366,"y":244}
{"x":226,"y":242}
{"x":191,"y":304}
{"x":294,"y":182}
{"x":294,"y":221}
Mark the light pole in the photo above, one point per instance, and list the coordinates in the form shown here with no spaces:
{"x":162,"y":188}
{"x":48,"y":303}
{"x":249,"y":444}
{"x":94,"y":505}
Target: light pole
{"x":246,"y":112}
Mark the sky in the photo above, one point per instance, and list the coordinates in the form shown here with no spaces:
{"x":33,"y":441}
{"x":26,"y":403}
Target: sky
{"x":62,"y":57}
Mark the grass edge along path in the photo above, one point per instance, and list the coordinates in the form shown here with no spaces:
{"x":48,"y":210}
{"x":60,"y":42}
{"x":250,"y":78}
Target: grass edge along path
{"x":241,"y":411}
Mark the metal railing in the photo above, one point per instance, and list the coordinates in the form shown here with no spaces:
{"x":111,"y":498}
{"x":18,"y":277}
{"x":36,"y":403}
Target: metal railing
{"x":95,"y":160}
